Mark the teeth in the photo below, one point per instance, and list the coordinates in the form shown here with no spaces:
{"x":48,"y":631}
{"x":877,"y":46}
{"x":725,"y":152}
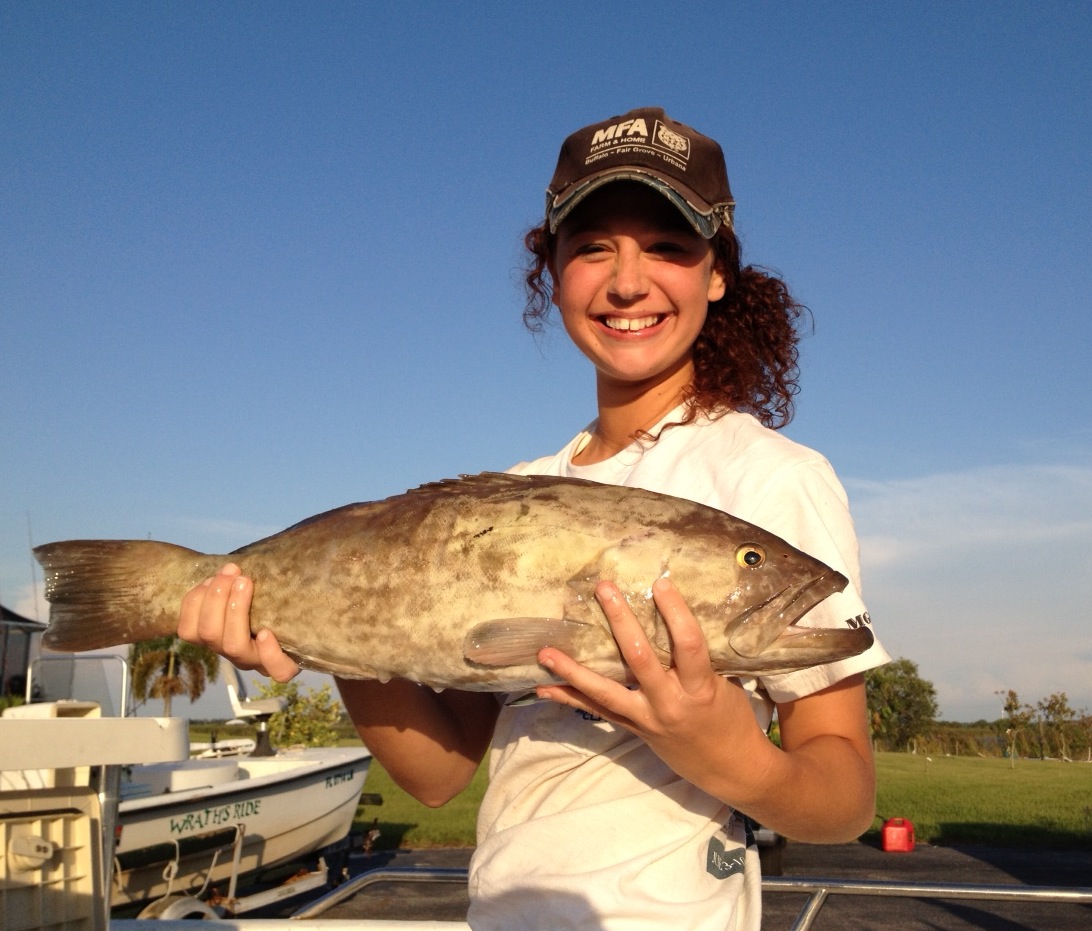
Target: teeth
{"x":623,"y":323}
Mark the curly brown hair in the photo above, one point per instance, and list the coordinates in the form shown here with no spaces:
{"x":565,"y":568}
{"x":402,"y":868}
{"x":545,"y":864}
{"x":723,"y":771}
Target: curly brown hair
{"x":745,"y":357}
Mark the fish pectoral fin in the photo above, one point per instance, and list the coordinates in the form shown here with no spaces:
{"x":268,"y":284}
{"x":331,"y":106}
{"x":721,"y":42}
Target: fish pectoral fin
{"x":515,"y":641}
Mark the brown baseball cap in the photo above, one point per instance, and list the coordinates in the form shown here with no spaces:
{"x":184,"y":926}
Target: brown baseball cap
{"x":644,"y":145}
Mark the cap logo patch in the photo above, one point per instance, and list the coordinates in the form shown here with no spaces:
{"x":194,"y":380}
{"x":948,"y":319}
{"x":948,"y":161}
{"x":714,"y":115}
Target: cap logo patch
{"x":630,"y":136}
{"x":617,"y":131}
{"x":669,"y":139}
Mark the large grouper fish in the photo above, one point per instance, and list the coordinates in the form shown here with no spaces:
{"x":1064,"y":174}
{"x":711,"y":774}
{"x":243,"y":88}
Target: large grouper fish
{"x":459,"y":584}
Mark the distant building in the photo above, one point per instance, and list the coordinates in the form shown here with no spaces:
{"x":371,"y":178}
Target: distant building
{"x":19,"y":644}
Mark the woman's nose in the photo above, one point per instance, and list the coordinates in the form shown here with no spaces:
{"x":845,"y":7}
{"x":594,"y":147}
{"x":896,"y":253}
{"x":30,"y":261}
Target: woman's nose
{"x":628,"y":281}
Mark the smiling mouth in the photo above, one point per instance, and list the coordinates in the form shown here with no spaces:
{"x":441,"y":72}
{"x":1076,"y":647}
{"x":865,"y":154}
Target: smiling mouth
{"x":631,"y":324}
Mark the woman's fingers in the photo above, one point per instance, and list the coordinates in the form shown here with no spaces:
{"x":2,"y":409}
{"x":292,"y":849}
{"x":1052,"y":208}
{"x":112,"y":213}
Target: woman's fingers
{"x":586,"y":690}
{"x":228,"y":606}
{"x":663,"y":681}
{"x":277,"y":664}
{"x":633,"y":643}
{"x":216,"y":614}
{"x":597,"y":694}
{"x":689,"y":649}
{"x":688,"y":665}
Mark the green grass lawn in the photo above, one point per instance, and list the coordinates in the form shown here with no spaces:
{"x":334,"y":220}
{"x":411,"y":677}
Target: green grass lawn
{"x":987,"y":800}
{"x":405,"y":822}
{"x":949,"y":800}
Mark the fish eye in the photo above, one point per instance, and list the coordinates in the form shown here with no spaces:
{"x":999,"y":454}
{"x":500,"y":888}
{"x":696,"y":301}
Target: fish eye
{"x":750,"y":556}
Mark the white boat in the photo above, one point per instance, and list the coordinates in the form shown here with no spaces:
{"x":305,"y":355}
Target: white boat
{"x":205,"y":821}
{"x":194,"y":830}
{"x":184,"y":826}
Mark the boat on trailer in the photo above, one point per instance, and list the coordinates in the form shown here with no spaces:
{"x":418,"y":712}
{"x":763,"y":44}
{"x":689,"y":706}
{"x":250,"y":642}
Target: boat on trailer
{"x":189,"y":834}
{"x":202,"y":822}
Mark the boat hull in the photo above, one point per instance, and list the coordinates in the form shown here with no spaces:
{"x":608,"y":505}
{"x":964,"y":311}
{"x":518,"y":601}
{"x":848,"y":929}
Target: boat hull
{"x":285,"y":807}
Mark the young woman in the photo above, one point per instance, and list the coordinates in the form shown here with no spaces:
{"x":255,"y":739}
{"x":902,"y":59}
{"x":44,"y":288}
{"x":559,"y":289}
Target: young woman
{"x":616,"y":807}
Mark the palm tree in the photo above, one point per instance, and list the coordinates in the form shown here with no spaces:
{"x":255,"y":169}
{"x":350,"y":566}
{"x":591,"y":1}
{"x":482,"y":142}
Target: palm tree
{"x":168,"y":666}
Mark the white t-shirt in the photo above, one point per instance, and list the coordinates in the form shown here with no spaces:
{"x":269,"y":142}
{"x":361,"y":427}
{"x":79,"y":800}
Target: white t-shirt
{"x":582,"y":825}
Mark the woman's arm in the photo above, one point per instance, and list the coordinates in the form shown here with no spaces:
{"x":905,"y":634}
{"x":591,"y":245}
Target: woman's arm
{"x":818,"y":787}
{"x":430,"y":742}
{"x":828,"y":752}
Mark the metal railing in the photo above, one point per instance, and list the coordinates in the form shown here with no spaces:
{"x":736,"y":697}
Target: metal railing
{"x":818,"y":890}
{"x":402,"y":874}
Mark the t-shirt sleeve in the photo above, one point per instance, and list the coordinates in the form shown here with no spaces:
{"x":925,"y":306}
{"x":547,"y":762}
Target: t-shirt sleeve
{"x":806,"y":505}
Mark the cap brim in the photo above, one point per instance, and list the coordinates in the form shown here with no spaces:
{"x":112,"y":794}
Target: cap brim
{"x":705,"y":222}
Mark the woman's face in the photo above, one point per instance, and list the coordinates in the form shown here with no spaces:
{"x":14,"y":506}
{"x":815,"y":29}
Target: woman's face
{"x":633,"y":282}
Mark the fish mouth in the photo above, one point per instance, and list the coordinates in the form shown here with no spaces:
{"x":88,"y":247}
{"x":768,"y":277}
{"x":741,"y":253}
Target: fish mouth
{"x":757,"y":628}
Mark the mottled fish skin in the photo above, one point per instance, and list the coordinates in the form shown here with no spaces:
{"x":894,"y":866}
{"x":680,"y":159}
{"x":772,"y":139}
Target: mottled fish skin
{"x":459,"y":584}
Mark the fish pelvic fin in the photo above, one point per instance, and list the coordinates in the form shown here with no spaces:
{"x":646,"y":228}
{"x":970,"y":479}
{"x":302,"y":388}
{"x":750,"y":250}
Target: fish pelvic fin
{"x":515,"y":641}
{"x":523,"y":699}
{"x":100,"y":592}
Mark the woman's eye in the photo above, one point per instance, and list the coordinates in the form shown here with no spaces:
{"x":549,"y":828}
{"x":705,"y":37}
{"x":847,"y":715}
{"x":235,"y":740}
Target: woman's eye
{"x":589,"y":247}
{"x":668,"y":248}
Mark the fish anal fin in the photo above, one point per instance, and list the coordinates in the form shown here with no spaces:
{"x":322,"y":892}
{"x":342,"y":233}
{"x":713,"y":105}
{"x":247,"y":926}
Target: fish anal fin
{"x":515,"y":641}
{"x":523,"y":699}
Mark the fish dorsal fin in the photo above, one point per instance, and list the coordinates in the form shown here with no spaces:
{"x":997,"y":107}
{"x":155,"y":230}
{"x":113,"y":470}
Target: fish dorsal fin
{"x":515,"y":641}
{"x":489,"y":484}
{"x":482,"y":485}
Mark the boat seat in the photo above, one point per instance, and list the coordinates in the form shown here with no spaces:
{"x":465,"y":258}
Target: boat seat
{"x":260,"y":710}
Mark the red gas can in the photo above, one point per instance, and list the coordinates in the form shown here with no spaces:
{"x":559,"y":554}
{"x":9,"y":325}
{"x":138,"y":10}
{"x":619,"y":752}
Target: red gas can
{"x":898,"y":835}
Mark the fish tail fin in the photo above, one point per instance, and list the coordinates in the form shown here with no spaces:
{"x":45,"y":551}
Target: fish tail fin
{"x":104,"y":592}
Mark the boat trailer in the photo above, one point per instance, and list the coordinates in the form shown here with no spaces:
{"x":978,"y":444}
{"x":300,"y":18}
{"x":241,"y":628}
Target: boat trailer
{"x":819,"y":891}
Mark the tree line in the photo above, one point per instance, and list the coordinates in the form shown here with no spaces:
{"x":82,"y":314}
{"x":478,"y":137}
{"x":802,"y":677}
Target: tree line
{"x":902,"y":708}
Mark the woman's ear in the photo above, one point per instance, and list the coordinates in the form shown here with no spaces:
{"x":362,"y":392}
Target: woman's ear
{"x":555,"y":284}
{"x":717,"y":283}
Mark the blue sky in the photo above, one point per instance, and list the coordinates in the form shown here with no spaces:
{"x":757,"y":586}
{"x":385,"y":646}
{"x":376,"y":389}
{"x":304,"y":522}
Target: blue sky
{"x":258,"y":260}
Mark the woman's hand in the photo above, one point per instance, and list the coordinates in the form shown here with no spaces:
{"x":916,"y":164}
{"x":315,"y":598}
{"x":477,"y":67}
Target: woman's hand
{"x":686,"y":713}
{"x":216,"y":614}
{"x":818,"y":787}
{"x":430,"y":743}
